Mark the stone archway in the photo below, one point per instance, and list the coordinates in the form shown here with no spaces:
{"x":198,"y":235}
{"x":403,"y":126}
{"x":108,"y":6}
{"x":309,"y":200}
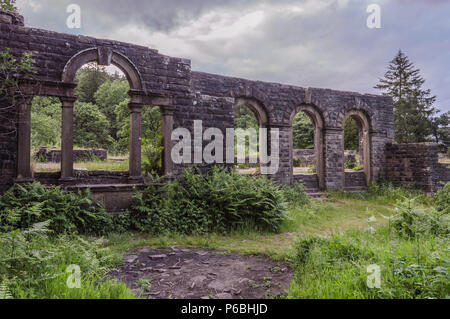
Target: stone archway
{"x":363,"y":123}
{"x":258,"y":109}
{"x":103,"y":56}
{"x":318,"y":123}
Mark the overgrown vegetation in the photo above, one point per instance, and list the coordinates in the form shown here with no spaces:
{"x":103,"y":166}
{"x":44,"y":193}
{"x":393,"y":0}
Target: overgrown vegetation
{"x":34,"y":265}
{"x":400,"y":230}
{"x":411,"y":252}
{"x":8,"y":5}
{"x":218,"y":201}
{"x":23,"y":206}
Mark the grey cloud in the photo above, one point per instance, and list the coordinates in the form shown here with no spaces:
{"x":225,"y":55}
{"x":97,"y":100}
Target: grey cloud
{"x":331,"y":48}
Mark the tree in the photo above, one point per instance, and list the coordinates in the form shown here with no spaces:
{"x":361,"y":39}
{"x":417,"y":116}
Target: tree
{"x":244,"y":118}
{"x":441,"y":131}
{"x":11,"y":69}
{"x":45,"y":122}
{"x":89,"y":78}
{"x":351,"y":135}
{"x":89,"y":126}
{"x":8,"y":5}
{"x":413,"y":105}
{"x":108,"y":96}
{"x":303,"y":131}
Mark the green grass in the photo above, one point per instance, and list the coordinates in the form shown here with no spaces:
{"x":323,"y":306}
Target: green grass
{"x":320,"y":217}
{"x":107,"y":165}
{"x":336,"y":267}
{"x":327,"y":241}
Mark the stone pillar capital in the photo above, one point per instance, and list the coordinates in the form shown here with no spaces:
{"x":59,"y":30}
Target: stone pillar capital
{"x":68,"y":101}
{"x":135,"y":107}
{"x":168,"y":110}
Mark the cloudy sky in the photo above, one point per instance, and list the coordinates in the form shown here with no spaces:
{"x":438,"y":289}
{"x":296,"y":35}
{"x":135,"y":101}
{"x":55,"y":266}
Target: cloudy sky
{"x":310,"y":43}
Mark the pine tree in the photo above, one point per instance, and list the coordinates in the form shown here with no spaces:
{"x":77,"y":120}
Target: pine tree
{"x":413,"y":105}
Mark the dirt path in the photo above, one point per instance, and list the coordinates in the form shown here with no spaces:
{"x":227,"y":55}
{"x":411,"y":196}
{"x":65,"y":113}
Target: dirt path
{"x":182,"y":273}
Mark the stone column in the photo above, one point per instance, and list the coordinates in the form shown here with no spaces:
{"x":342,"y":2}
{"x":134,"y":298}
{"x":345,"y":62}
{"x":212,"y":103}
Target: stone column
{"x":319,"y":158}
{"x":135,"y":142}
{"x":367,"y":161}
{"x":167,"y":128}
{"x":67,"y":138}
{"x":284,"y":173}
{"x":334,"y":159}
{"x":379,"y":141}
{"x":24,"y":173}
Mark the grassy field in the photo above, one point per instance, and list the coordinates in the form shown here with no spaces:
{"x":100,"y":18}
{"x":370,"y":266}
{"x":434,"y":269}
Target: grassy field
{"x":330,"y":242}
{"x":111,"y":164}
{"x":322,"y":217}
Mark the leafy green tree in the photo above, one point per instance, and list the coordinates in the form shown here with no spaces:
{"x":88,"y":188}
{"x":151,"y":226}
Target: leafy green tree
{"x":244,"y":118}
{"x":8,"y":5}
{"x":90,"y":126}
{"x":108,"y":96}
{"x":89,"y":78}
{"x":45,"y":122}
{"x":441,"y":131}
{"x":303,"y":131}
{"x":351,"y":135}
{"x":413,"y":105}
{"x":10,"y":94}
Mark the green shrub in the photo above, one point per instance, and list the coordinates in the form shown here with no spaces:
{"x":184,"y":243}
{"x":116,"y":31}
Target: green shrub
{"x":442,"y":199}
{"x":413,"y":221}
{"x":23,"y":206}
{"x":386,"y":192}
{"x":219,"y":201}
{"x":349,"y":165}
{"x":296,"y":195}
{"x":152,"y":156}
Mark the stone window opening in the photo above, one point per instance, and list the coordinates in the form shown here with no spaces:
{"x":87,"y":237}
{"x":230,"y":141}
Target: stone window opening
{"x":356,"y":148}
{"x":306,"y":148}
{"x":250,"y":114}
{"x":100,"y":120}
{"x":106,"y":58}
{"x":45,"y":135}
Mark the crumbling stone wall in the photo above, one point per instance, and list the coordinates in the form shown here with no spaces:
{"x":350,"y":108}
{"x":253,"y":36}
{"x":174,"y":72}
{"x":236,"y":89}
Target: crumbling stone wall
{"x":416,"y":165}
{"x":54,"y":155}
{"x":8,"y":152}
{"x":207,"y":97}
{"x":309,"y":156}
{"x":280,"y":102}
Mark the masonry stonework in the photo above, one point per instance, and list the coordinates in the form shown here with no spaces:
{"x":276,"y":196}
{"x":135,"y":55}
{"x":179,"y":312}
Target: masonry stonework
{"x":185,"y":96}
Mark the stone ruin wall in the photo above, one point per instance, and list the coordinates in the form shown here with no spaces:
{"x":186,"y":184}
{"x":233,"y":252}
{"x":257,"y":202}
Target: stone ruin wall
{"x":45,"y":154}
{"x":210,"y":98}
{"x":416,"y":165}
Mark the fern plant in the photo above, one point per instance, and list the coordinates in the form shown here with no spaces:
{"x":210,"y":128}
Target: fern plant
{"x":23,"y":206}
